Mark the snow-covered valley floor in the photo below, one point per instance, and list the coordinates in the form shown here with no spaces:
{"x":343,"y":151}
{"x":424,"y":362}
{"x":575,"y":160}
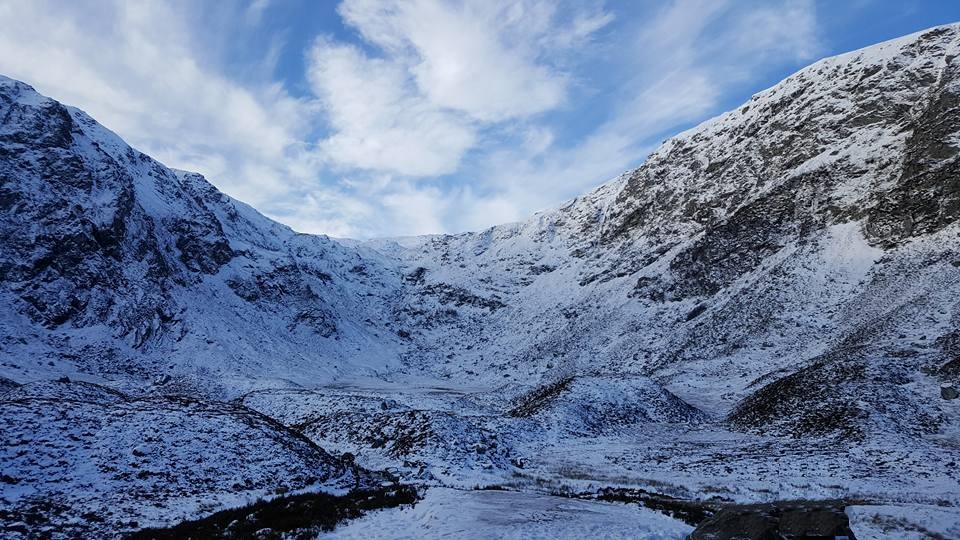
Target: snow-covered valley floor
{"x":458,"y":443}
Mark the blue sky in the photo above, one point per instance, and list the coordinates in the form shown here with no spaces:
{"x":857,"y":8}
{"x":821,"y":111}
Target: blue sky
{"x":384,"y":118}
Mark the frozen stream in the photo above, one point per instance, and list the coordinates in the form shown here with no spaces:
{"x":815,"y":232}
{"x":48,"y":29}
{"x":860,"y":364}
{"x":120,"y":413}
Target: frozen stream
{"x":451,"y":513}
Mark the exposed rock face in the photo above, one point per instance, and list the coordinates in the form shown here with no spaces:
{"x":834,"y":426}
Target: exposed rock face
{"x":70,"y":234}
{"x":797,"y":252}
{"x":118,"y":265}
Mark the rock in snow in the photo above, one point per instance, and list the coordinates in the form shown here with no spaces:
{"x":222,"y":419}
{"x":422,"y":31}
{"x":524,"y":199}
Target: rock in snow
{"x":767,"y":307}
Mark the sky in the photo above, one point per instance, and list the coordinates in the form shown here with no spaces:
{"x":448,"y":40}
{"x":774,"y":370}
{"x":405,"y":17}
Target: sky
{"x":372,"y":118}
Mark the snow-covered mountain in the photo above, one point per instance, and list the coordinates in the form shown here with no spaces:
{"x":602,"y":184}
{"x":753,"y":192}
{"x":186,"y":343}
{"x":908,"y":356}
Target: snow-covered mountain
{"x":116,"y":266}
{"x":770,"y":302}
{"x":793,"y":262}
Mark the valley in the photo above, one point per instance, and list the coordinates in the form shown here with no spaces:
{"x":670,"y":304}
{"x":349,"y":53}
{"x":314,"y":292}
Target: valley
{"x":765,"y":310}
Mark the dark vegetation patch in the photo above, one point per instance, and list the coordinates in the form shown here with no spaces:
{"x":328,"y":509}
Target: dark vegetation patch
{"x":538,"y":269}
{"x":297,"y":516}
{"x":951,"y":369}
{"x":417,"y":276}
{"x":629,"y":264}
{"x":281,"y":284}
{"x":462,"y":297}
{"x":287,"y":286}
{"x":782,"y":519}
{"x":696,"y":312}
{"x":317,"y":320}
{"x":30,"y":517}
{"x":949,"y":343}
{"x":6,"y":385}
{"x":458,"y":296}
{"x":687,"y":511}
{"x":406,"y":434}
{"x":538,"y":399}
{"x":812,"y":401}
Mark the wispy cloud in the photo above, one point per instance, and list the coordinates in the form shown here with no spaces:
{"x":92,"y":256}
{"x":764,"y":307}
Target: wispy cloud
{"x":380,"y":121}
{"x":134,"y":66}
{"x":443,"y":71}
{"x":421,"y":115}
{"x":684,"y":61}
{"x":440,"y":80}
{"x":481,"y":58}
{"x":254,"y":11}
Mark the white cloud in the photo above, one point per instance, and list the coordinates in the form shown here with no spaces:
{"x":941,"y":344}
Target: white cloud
{"x":444,"y":116}
{"x":334,"y":213}
{"x":379,"y":121}
{"x":444,"y":74}
{"x":132,"y":66}
{"x":506,"y":64}
{"x":787,"y":31}
{"x":478,"y":57}
{"x":421,"y":208}
{"x":694,"y":51}
{"x":685,"y":60}
{"x":255,"y":11}
{"x":448,"y":69}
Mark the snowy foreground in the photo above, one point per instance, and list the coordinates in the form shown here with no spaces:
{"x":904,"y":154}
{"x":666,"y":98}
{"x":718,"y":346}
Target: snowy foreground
{"x":757,"y":328}
{"x":437,"y":436}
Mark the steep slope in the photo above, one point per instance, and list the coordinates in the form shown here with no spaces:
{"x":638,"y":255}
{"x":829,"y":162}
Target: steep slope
{"x":116,"y":266}
{"x":800,"y":251}
{"x":83,"y":460}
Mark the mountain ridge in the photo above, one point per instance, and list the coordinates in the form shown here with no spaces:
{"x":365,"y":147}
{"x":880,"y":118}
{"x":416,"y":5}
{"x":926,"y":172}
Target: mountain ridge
{"x":661,"y":219}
